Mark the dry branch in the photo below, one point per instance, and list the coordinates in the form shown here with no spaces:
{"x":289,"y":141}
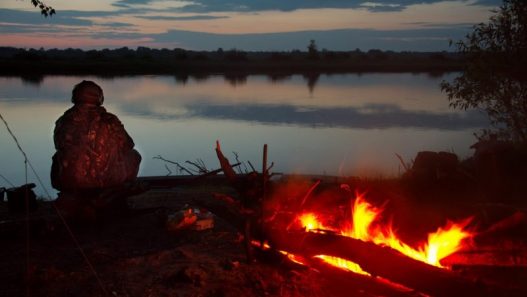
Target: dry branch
{"x":180,"y":168}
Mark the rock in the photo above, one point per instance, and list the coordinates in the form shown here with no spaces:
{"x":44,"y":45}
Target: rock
{"x":432,"y":166}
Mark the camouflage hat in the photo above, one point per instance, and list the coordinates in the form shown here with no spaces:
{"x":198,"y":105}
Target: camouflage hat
{"x":87,"y":92}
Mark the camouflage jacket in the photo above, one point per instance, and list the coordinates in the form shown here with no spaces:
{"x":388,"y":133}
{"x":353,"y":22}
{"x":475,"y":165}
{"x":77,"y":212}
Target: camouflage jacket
{"x":93,"y":150}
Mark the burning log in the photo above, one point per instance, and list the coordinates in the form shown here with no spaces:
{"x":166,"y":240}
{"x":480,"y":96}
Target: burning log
{"x":384,"y":262}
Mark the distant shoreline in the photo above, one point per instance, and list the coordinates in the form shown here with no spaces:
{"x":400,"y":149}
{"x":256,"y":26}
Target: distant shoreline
{"x":144,"y":61}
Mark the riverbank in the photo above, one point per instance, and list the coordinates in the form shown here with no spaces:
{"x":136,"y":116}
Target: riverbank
{"x":135,"y":254}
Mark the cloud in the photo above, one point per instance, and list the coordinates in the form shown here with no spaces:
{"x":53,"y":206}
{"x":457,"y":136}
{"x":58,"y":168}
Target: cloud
{"x":439,"y":25}
{"x":30,"y":17}
{"x":425,"y":39}
{"x":129,"y":3}
{"x":432,"y":39}
{"x":117,"y":24}
{"x":17,"y":28}
{"x":182,"y":18}
{"x":381,"y":7}
{"x":488,"y":2}
{"x":290,"y":5}
{"x":16,"y":21}
{"x":329,"y":31}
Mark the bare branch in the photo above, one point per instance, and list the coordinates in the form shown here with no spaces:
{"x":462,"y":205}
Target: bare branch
{"x":168,"y":169}
{"x":180,"y":168}
{"x":271,"y":166}
{"x":252,"y":167}
{"x":405,"y":165}
{"x":199,"y":165}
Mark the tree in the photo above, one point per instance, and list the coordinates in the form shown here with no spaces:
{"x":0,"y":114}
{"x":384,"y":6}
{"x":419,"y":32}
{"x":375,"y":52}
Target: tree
{"x":312,"y":50}
{"x":495,"y":75}
{"x":45,"y":10}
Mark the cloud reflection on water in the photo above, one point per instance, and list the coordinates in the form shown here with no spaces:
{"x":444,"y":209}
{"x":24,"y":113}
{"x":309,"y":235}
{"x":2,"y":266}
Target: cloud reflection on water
{"x":366,"y":117}
{"x":366,"y":101}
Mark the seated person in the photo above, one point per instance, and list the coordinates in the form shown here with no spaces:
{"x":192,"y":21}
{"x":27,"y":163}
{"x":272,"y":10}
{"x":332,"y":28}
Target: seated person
{"x":94,"y":151}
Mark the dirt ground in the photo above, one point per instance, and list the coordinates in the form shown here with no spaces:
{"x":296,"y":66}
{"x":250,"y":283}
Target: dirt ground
{"x":134,"y":254}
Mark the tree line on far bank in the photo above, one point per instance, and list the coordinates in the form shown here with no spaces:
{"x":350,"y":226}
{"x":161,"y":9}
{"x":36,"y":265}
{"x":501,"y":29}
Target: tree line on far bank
{"x":148,"y":60}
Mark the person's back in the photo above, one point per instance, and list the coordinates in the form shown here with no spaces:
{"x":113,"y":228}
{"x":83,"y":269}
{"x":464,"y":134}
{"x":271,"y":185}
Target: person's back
{"x":94,"y":151}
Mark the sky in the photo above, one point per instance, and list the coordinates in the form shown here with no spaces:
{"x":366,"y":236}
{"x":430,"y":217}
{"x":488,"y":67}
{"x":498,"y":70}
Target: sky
{"x":252,"y":25}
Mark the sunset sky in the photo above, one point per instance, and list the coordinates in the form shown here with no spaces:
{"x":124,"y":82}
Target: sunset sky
{"x":416,"y":25}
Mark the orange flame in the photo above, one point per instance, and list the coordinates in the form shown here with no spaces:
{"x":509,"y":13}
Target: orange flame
{"x":363,"y":216}
{"x":440,"y":244}
{"x":310,"y":222}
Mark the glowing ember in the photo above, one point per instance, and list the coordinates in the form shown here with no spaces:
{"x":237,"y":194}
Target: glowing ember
{"x":343,"y":264}
{"x":265,"y":246}
{"x":445,"y":241}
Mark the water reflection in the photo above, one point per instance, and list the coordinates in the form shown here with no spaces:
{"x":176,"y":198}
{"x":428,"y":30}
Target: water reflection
{"x":372,"y":116}
{"x":181,"y":78}
{"x":35,"y":80}
{"x":235,"y":79}
{"x":311,"y":79}
{"x":355,"y":122}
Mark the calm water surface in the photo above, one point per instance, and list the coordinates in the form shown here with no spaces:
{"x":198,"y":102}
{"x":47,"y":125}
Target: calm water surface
{"x":345,"y":124}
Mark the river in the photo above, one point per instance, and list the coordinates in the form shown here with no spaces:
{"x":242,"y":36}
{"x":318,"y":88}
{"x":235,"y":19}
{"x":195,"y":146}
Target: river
{"x":345,"y":124}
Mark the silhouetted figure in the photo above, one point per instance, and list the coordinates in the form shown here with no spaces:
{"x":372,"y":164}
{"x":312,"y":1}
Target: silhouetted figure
{"x":94,"y":151}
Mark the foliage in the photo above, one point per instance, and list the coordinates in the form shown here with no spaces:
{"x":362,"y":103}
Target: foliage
{"x":45,"y":10}
{"x":145,"y":60}
{"x":312,"y":50}
{"x":495,"y":73}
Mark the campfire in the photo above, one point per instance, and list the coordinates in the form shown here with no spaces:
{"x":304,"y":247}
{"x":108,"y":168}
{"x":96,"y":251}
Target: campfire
{"x":439,"y":244}
{"x":356,"y":236}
